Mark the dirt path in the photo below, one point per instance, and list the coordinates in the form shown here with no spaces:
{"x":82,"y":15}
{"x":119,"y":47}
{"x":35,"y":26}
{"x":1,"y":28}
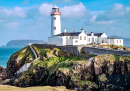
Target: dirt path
{"x":38,"y":88}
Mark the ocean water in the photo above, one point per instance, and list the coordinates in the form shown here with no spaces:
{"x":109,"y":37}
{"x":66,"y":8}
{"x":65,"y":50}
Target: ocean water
{"x":5,"y":54}
{"x":128,"y":46}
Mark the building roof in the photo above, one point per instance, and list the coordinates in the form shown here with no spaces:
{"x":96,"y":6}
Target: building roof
{"x":77,"y":33}
{"x":95,"y":34}
{"x":69,"y":34}
{"x":113,"y":38}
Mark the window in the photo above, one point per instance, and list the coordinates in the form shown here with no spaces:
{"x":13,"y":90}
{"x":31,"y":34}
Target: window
{"x":89,"y":39}
{"x":54,"y":18}
{"x":80,"y":37}
{"x":92,"y":39}
{"x":84,"y":37}
{"x":76,"y":41}
{"x":117,"y":41}
{"x":54,"y":28}
{"x":120,"y":41}
{"x":66,"y":37}
{"x":95,"y":39}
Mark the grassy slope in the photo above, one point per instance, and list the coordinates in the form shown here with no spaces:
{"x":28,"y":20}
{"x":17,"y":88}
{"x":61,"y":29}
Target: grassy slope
{"x":58,"y":63}
{"x":39,"y":88}
{"x":64,"y":64}
{"x":115,"y":47}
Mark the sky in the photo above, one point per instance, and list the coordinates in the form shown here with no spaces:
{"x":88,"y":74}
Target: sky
{"x":30,"y":19}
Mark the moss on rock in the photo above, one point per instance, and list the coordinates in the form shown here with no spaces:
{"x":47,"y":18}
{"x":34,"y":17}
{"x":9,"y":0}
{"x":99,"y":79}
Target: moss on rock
{"x":102,"y":78}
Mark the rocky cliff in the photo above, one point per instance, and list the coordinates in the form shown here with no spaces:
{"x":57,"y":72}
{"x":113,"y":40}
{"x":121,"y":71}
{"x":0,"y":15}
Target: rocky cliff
{"x":58,"y":68}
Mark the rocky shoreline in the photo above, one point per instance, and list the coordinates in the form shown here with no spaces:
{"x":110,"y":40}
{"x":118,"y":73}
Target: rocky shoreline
{"x":58,"y":68}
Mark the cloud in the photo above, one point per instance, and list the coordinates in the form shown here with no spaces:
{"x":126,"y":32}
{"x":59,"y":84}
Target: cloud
{"x":17,"y":11}
{"x":45,"y":9}
{"x":114,"y":21}
{"x":96,"y":13}
{"x":74,"y":11}
{"x":127,"y":9}
{"x":34,"y":22}
{"x":118,"y":6}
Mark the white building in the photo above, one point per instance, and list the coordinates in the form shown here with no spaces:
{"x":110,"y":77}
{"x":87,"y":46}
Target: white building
{"x":76,"y":38}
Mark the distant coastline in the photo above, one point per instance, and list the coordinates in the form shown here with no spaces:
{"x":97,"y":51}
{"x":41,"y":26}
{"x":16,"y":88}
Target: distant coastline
{"x":22,"y":43}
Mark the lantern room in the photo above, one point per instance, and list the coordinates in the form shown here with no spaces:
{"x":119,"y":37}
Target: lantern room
{"x":55,"y":10}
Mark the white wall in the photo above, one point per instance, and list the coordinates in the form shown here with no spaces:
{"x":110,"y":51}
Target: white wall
{"x":118,"y":42}
{"x":55,"y":40}
{"x":114,"y":42}
{"x":103,"y":35}
{"x":110,"y":41}
{"x":55,"y":23}
{"x":69,"y":42}
{"x":92,"y":37}
{"x":103,"y":38}
{"x":82,"y":41}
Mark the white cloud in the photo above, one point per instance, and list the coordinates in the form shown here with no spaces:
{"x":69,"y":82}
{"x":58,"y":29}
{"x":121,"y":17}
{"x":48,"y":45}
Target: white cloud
{"x":103,"y":22}
{"x":45,"y":9}
{"x":96,"y":13}
{"x":127,"y":9}
{"x":118,"y":7}
{"x":17,"y":11}
{"x":35,"y":20}
{"x":73,"y":11}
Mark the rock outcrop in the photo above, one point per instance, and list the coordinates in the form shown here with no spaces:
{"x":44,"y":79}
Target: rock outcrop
{"x":58,"y":68}
{"x":17,"y":60}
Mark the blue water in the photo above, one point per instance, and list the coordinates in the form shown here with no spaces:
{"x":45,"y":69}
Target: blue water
{"x":5,"y":54}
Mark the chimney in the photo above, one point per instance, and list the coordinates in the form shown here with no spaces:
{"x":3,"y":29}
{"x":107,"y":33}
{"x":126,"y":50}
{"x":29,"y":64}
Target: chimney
{"x":85,"y":32}
{"x":92,"y":33}
{"x":74,"y":31}
{"x":64,"y":30}
{"x":82,"y":30}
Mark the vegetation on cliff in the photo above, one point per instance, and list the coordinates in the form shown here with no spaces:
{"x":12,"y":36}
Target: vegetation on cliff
{"x":18,"y":59}
{"x":56,"y":62}
{"x":114,"y":47}
{"x":58,"y":68}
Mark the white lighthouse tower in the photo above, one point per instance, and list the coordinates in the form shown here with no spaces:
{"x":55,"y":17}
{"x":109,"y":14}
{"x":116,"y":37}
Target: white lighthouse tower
{"x":55,"y":21}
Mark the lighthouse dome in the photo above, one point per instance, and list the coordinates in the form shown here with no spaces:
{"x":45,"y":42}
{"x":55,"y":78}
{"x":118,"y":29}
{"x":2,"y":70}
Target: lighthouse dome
{"x":55,"y":6}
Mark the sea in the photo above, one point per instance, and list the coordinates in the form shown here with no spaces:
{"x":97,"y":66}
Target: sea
{"x":5,"y":54}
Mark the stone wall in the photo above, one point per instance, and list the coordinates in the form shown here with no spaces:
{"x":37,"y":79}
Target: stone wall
{"x":88,"y":50}
{"x":101,"y":51}
{"x":72,"y":49}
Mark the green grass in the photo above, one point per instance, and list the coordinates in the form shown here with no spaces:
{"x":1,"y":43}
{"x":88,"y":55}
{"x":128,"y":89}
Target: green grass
{"x":88,"y":83}
{"x":58,"y":63}
{"x":102,"y":78}
{"x":115,"y":47}
{"x":101,"y":60}
{"x":25,"y":56}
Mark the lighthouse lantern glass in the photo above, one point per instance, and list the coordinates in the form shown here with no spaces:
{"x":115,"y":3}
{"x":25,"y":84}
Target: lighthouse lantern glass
{"x":55,"y":10}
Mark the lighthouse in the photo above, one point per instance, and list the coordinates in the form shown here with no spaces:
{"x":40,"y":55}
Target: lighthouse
{"x":55,"y":21}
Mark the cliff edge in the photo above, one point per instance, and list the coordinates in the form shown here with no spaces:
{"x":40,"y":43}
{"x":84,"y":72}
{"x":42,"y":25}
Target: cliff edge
{"x":58,"y":68}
